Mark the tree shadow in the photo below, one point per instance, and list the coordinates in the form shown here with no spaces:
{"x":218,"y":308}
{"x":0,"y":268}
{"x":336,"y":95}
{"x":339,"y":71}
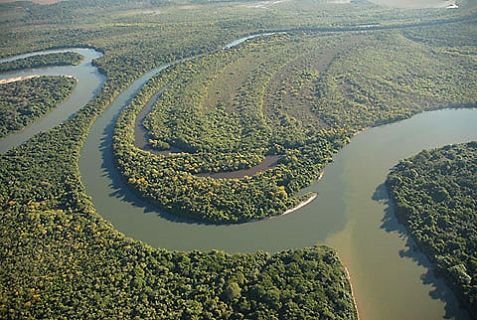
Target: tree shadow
{"x":123,"y":191}
{"x":439,"y":289}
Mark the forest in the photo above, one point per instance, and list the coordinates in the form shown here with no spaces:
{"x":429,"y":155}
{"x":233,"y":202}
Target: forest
{"x":229,"y":110}
{"x":61,"y":259}
{"x":218,"y":200}
{"x":22,"y":102}
{"x":435,"y":194}
{"x":45,"y":60}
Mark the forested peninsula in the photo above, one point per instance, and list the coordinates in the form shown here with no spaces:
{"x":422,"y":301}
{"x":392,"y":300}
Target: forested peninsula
{"x":44,"y":60}
{"x":22,"y":102}
{"x":435,"y":195}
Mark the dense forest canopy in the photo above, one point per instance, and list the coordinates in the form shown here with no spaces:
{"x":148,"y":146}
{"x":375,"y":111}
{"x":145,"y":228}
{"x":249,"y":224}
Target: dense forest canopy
{"x":60,"y":259}
{"x":22,"y":102}
{"x":45,"y":60}
{"x":435,"y":193}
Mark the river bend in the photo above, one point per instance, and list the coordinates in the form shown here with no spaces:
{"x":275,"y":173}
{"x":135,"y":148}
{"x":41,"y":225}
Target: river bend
{"x":391,"y":279}
{"x":88,"y":84}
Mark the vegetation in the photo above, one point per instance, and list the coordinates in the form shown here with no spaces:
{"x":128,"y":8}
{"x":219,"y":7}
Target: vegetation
{"x":390,"y":77}
{"x":60,"y":259}
{"x":300,"y":96}
{"x":219,"y":140}
{"x":22,"y":102}
{"x":45,"y":60}
{"x":435,"y":193}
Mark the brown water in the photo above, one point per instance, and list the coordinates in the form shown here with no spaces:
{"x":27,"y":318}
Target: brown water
{"x":351,"y":214}
{"x":391,"y":280}
{"x":88,"y":84}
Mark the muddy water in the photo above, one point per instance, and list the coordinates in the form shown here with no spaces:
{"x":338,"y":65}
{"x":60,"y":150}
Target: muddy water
{"x":89,"y":82}
{"x":391,"y":279}
{"x":351,"y":214}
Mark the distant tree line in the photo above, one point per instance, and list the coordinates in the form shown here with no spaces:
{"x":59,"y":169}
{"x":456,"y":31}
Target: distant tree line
{"x":43,"y":60}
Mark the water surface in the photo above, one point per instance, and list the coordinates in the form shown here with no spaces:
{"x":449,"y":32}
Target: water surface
{"x":88,"y":84}
{"x":413,"y":4}
{"x":351,"y":214}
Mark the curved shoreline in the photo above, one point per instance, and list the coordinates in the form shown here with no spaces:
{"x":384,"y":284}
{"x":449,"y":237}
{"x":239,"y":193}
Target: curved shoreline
{"x":393,"y":204}
{"x":141,"y":141}
{"x":53,"y":49}
{"x":89,"y":81}
{"x":141,"y":133}
{"x":301,"y":204}
{"x":16,"y":79}
{"x":348,"y":277}
{"x":89,"y":193}
{"x":34,"y":76}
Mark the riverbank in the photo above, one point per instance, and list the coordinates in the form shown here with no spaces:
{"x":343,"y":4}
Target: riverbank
{"x":15,"y":79}
{"x":301,"y":204}
{"x":348,"y":277}
{"x":404,"y":218}
{"x":88,"y":83}
{"x":305,"y":202}
{"x":23,"y":78}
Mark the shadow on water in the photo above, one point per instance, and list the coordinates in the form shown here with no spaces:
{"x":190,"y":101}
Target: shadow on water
{"x":440,"y":290}
{"x":121,"y":188}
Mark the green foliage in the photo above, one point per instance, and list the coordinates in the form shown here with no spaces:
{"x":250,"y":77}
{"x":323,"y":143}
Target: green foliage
{"x":181,"y":120}
{"x":227,"y":110}
{"x":60,"y":259}
{"x":389,"y":77}
{"x":435,"y":193}
{"x":45,"y":60}
{"x":22,"y":102}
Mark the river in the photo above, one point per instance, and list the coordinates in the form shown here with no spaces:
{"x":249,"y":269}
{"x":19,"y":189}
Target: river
{"x":351,"y":214}
{"x":88,"y":84}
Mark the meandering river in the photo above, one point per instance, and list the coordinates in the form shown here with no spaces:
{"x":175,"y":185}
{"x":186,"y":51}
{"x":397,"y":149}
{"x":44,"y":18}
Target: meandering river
{"x":88,"y":84}
{"x":351,"y":214}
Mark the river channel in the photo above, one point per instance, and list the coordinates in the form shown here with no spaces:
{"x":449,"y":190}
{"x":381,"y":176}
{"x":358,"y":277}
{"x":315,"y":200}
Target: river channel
{"x":88,"y":84}
{"x":391,"y":279}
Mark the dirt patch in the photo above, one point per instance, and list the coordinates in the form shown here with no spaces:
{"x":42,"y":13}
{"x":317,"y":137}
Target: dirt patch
{"x":15,"y":79}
